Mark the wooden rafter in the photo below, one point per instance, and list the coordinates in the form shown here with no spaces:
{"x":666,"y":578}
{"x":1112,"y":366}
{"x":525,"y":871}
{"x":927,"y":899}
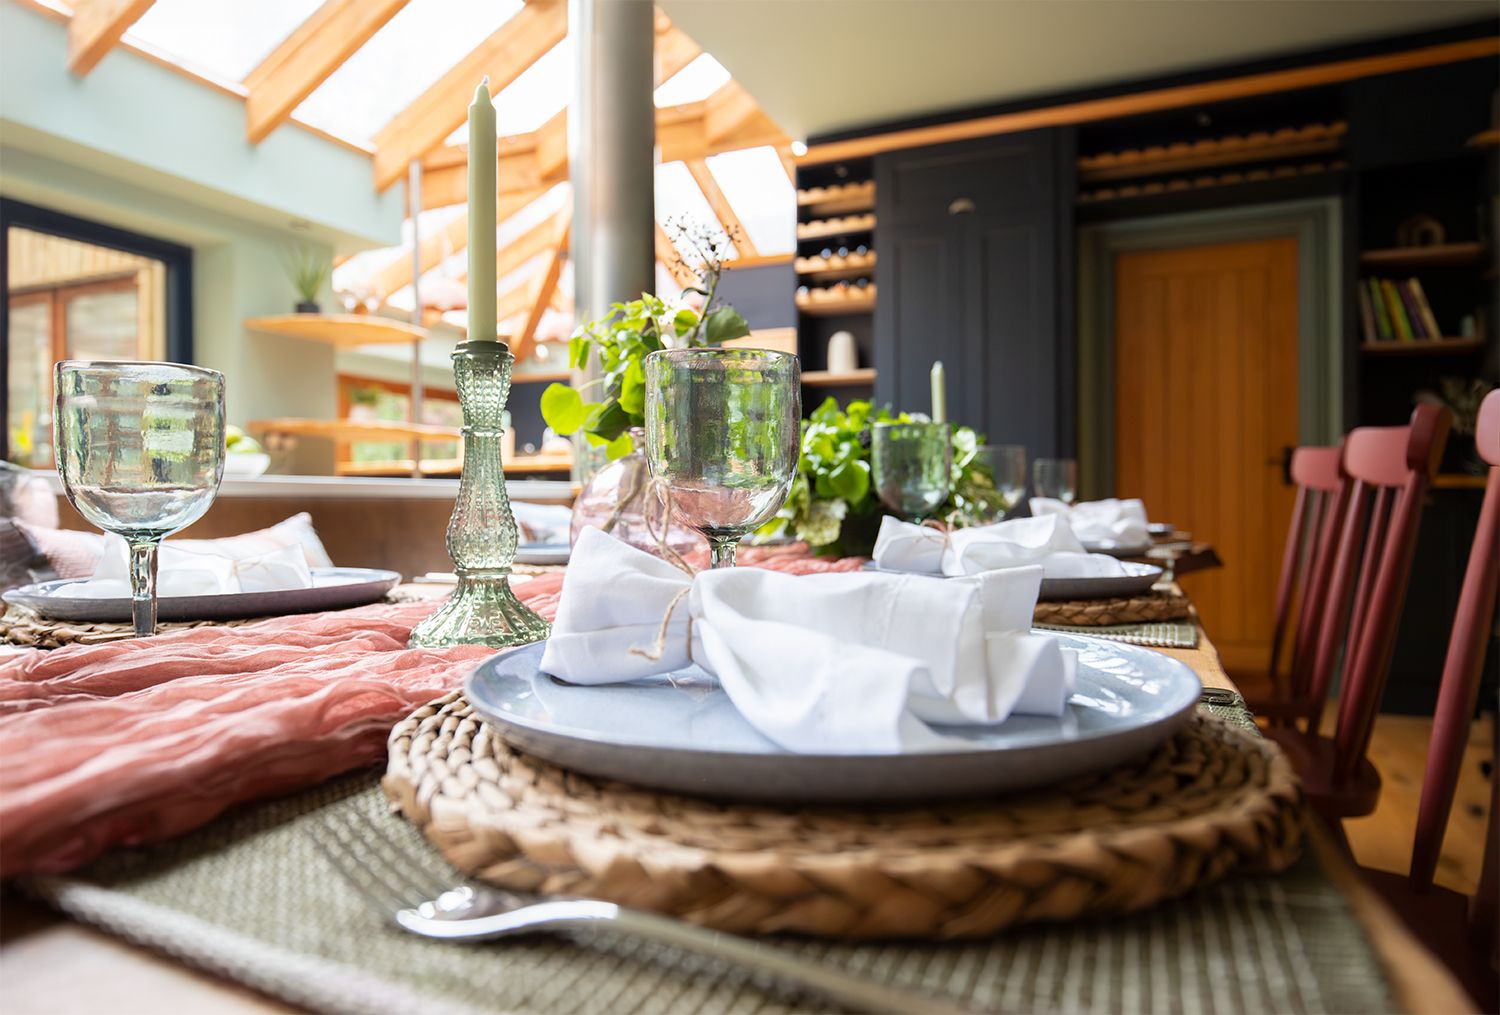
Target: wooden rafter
{"x":96,"y":26}
{"x":307,"y":57}
{"x":452,"y":237}
{"x":441,"y":110}
{"x":704,"y":177}
{"x":547,"y":284}
{"x":674,"y":51}
{"x":788,"y":162}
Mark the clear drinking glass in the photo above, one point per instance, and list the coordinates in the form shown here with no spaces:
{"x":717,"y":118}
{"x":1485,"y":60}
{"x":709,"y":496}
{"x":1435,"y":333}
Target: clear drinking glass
{"x":140,"y":449}
{"x":723,"y":430}
{"x":1007,"y":465}
{"x":913,"y":464}
{"x":1056,"y":478}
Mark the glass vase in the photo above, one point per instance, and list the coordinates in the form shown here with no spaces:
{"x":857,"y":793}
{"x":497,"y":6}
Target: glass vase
{"x":614,"y":500}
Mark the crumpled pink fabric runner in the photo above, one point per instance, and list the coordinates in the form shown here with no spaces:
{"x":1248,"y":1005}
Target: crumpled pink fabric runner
{"x":136,"y":741}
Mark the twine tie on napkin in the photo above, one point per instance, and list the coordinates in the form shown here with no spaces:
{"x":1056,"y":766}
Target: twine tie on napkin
{"x":827,"y":663}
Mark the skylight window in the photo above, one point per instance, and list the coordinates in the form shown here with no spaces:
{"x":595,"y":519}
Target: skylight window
{"x":413,"y":50}
{"x":756,"y":186}
{"x":679,"y":200}
{"x":695,"y":82}
{"x":220,"y":39}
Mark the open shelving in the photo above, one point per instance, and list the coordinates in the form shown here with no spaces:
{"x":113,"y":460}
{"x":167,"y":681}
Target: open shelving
{"x":1425,"y":347}
{"x":828,"y":379}
{"x":1439,"y":255}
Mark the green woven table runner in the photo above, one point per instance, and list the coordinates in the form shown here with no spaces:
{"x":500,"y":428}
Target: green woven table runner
{"x":249,"y":898}
{"x":1158,"y":634}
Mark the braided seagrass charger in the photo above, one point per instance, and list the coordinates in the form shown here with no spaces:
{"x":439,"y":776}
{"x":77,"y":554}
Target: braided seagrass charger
{"x":1148,"y":607}
{"x":1211,"y":800}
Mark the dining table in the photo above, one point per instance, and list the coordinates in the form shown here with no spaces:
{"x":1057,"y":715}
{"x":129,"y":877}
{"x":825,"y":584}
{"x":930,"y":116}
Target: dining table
{"x":240,"y":916}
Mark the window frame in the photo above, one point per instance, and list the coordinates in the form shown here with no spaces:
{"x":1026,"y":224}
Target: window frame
{"x":178,"y":284}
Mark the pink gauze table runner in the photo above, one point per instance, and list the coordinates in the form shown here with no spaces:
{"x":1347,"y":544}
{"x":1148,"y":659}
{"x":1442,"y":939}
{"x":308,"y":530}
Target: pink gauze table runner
{"x":136,"y":741}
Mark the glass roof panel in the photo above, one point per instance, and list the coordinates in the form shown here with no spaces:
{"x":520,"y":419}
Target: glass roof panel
{"x":679,"y":201}
{"x":414,"y":49}
{"x":697,"y":81}
{"x":220,"y":39}
{"x":756,"y":186}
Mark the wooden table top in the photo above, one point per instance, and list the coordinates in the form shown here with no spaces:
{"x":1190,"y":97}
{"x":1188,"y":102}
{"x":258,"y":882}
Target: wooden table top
{"x":40,"y":951}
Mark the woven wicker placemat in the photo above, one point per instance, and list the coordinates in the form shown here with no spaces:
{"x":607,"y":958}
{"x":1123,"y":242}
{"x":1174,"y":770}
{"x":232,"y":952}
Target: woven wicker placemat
{"x":1168,"y":634}
{"x":20,"y":627}
{"x":249,"y":897}
{"x":1210,"y":800}
{"x":1161,"y":604}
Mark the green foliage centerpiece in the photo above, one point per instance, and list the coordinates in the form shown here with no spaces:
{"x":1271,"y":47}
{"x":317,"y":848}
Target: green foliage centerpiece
{"x":832,"y":507}
{"x":623,"y":339}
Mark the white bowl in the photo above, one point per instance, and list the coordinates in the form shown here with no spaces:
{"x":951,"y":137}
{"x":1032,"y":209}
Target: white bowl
{"x":246,"y":465}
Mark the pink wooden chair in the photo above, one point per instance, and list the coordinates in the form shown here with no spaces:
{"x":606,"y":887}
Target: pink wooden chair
{"x":1306,"y":567}
{"x":1459,"y":691}
{"x":1389,"y":469}
{"x":1461,"y":929}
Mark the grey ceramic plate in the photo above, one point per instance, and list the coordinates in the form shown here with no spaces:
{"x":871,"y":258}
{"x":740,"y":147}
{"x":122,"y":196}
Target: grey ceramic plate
{"x":1139,"y":578}
{"x":689,"y":738}
{"x":1117,"y":549}
{"x":334,"y":588}
{"x":543,"y":553}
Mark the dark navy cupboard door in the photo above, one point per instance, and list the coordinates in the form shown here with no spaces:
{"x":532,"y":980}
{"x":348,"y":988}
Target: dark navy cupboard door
{"x":970,"y":274}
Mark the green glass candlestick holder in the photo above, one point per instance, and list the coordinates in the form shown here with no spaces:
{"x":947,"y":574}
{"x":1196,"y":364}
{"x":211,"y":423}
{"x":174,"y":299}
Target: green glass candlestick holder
{"x":483,"y":609}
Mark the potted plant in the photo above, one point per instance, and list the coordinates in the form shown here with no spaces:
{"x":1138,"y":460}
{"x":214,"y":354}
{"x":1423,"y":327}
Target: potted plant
{"x":832,"y":506}
{"x":309,"y":272}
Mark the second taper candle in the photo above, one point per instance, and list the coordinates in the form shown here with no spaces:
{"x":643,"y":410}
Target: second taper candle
{"x":482,"y":195}
{"x":939,"y":394}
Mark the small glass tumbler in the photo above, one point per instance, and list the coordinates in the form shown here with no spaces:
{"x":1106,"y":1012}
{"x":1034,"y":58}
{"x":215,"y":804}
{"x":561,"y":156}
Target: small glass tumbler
{"x":1056,"y":478}
{"x":723,"y":432}
{"x":912,"y":465}
{"x":1007,"y":467}
{"x":140,"y":449}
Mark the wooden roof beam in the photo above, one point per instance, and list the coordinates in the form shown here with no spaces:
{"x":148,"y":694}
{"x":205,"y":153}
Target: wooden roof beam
{"x":307,"y":57}
{"x":96,"y":26}
{"x":439,"y":111}
{"x":547,"y":284}
{"x":735,"y":229}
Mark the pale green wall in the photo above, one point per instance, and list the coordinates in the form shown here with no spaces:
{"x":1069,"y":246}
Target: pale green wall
{"x":139,"y":147}
{"x":237,"y":273}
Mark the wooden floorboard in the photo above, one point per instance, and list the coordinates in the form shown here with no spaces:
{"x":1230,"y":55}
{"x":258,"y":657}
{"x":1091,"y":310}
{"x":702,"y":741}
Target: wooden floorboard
{"x":1383,"y":840}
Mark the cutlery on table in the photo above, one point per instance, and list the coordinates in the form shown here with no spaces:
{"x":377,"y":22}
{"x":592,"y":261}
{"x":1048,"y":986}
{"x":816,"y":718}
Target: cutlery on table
{"x":401,"y":886}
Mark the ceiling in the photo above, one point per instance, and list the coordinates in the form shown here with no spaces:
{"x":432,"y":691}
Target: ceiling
{"x":828,"y":65}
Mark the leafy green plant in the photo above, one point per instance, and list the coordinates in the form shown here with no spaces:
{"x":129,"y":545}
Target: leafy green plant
{"x":309,"y":271}
{"x":833,"y":506}
{"x":623,"y":339}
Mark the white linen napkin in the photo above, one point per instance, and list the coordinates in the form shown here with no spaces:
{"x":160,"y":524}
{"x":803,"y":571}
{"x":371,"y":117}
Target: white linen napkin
{"x":1108,"y":522}
{"x":200,"y":568}
{"x":1047,"y":540}
{"x":820,"y":664}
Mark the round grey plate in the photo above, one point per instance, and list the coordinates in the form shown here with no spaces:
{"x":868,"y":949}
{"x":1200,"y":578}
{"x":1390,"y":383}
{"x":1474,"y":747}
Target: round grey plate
{"x":685,"y":736}
{"x":1118,"y":550}
{"x":543,"y":553}
{"x":334,"y":588}
{"x":1138,"y":578}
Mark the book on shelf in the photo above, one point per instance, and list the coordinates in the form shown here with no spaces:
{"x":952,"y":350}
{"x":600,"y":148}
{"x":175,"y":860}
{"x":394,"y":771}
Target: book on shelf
{"x":1396,"y":310}
{"x":1424,"y":307}
{"x":1399,"y":324}
{"x":1384,"y":332}
{"x":1414,"y":320}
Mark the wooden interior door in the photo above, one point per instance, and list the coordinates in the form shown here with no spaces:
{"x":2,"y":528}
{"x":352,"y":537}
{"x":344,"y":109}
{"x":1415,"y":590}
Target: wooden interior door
{"x":1205,"y":406}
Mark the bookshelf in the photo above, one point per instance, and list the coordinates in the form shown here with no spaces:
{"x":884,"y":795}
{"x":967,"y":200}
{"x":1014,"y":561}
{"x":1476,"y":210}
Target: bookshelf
{"x":1431,"y":347}
{"x":835,"y":272}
